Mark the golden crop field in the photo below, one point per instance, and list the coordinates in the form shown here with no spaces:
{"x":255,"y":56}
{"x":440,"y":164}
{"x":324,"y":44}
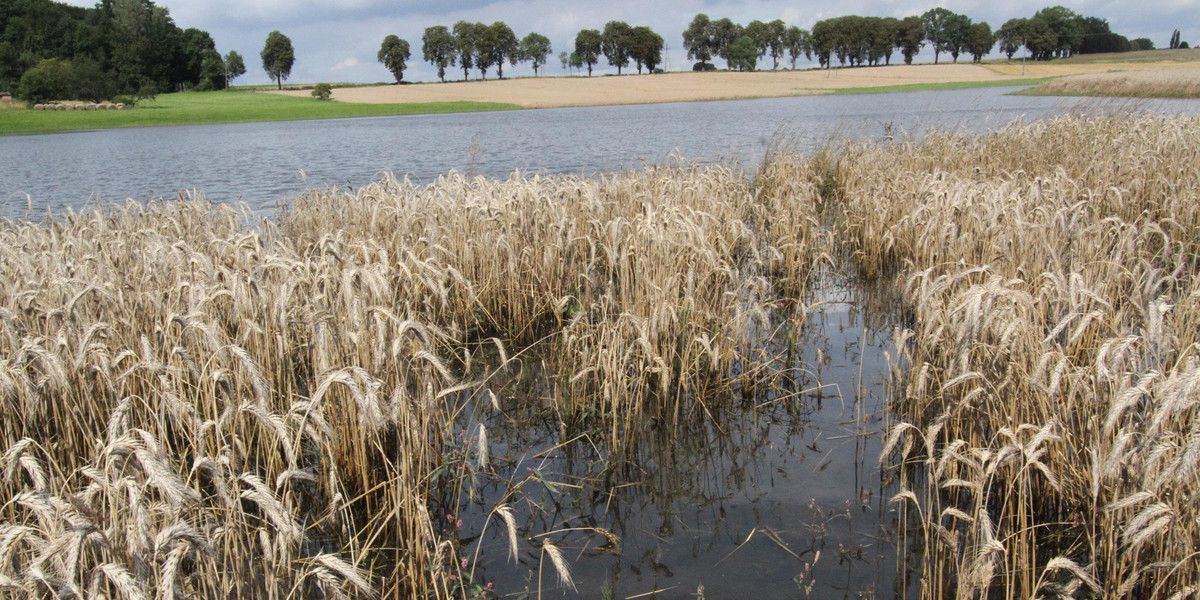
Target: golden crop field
{"x":197,"y":403}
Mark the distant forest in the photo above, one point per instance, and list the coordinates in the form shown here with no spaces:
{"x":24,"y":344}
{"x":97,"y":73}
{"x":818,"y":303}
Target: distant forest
{"x":118,"y":47}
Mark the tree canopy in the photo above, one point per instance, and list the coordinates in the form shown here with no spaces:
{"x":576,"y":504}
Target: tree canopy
{"x":235,"y":67}
{"x":394,"y":54}
{"x":278,"y":57}
{"x":502,"y":44}
{"x":588,"y":47}
{"x":645,"y":48}
{"x":466,"y":39}
{"x":535,"y":48}
{"x":439,"y":48}
{"x":117,"y":47}
{"x":616,"y":42}
{"x":937,"y":24}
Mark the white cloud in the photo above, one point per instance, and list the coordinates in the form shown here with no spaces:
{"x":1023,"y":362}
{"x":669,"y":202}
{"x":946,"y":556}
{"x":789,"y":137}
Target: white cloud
{"x":347,"y":63}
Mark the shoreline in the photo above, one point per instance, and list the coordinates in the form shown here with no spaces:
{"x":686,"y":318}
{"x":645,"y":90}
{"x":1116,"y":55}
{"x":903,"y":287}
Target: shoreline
{"x":243,"y":106}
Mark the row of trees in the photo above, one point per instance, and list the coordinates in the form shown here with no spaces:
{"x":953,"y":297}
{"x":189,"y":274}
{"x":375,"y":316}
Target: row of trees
{"x":853,"y":39}
{"x":1059,"y":32}
{"x":1052,"y":32}
{"x":50,"y":50}
{"x":480,"y":46}
{"x":470,"y":46}
{"x":619,"y":43}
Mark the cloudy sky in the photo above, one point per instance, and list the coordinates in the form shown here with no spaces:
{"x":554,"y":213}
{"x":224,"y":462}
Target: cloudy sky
{"x":337,"y":40}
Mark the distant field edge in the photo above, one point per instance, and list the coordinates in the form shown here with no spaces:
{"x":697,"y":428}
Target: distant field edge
{"x":945,"y":85}
{"x":214,"y":108}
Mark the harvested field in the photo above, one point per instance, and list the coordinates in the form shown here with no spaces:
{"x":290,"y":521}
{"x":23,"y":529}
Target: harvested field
{"x":547,"y":92}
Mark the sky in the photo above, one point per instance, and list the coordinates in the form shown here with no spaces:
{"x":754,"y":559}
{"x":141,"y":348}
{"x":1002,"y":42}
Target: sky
{"x":338,"y":40}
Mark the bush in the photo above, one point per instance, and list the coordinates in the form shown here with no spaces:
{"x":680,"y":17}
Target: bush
{"x":51,"y":79}
{"x":703,"y":66}
{"x":322,"y":91}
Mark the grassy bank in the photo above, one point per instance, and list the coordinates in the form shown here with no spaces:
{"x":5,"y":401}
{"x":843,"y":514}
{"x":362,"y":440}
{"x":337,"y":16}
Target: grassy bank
{"x":190,"y":399}
{"x":206,"y":108}
{"x":948,"y":85}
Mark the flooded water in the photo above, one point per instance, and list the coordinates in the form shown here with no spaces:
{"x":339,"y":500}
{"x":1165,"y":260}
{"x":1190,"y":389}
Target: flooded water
{"x":263,"y":164}
{"x":767,"y":496}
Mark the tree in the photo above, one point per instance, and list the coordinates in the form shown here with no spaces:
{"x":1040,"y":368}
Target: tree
{"x":588,"y":43}
{"x":1098,"y":37}
{"x":882,"y":36}
{"x":278,"y":57}
{"x":935,"y":21}
{"x":760,"y":34}
{"x":194,"y":44}
{"x":822,"y":41}
{"x":957,"y":30}
{"x":565,"y":58}
{"x":234,"y":67}
{"x":1040,"y":39}
{"x":1011,"y":36}
{"x":615,"y":43}
{"x":1141,"y":44}
{"x":535,"y":47}
{"x":1174,"y":43}
{"x":485,"y":48}
{"x":504,"y":45}
{"x":910,"y":36}
{"x":698,"y":39}
{"x":212,"y":71}
{"x":777,"y":42}
{"x":394,"y":54}
{"x":466,"y":38}
{"x":980,"y":40}
{"x":1065,"y":23}
{"x":646,"y":48}
{"x":742,"y":54}
{"x":724,"y":34}
{"x":439,"y":48}
{"x":797,"y":42}
{"x":91,"y":83}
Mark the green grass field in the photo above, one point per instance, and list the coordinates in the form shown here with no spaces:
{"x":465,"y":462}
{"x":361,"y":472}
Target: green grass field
{"x":206,"y":108}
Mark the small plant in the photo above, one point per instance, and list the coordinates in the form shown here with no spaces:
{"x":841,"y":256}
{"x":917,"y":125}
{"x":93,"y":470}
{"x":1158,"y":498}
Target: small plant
{"x":322,"y":91}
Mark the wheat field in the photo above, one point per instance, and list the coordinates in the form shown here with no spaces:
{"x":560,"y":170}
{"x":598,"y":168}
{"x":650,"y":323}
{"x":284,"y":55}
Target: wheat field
{"x":1182,"y":82}
{"x":191,"y":395}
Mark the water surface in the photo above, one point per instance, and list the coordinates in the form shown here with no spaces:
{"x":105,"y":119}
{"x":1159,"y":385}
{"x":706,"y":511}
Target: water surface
{"x":263,"y":164}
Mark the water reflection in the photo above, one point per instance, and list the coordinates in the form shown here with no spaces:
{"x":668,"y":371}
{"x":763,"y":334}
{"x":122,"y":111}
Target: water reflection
{"x":775,"y":495}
